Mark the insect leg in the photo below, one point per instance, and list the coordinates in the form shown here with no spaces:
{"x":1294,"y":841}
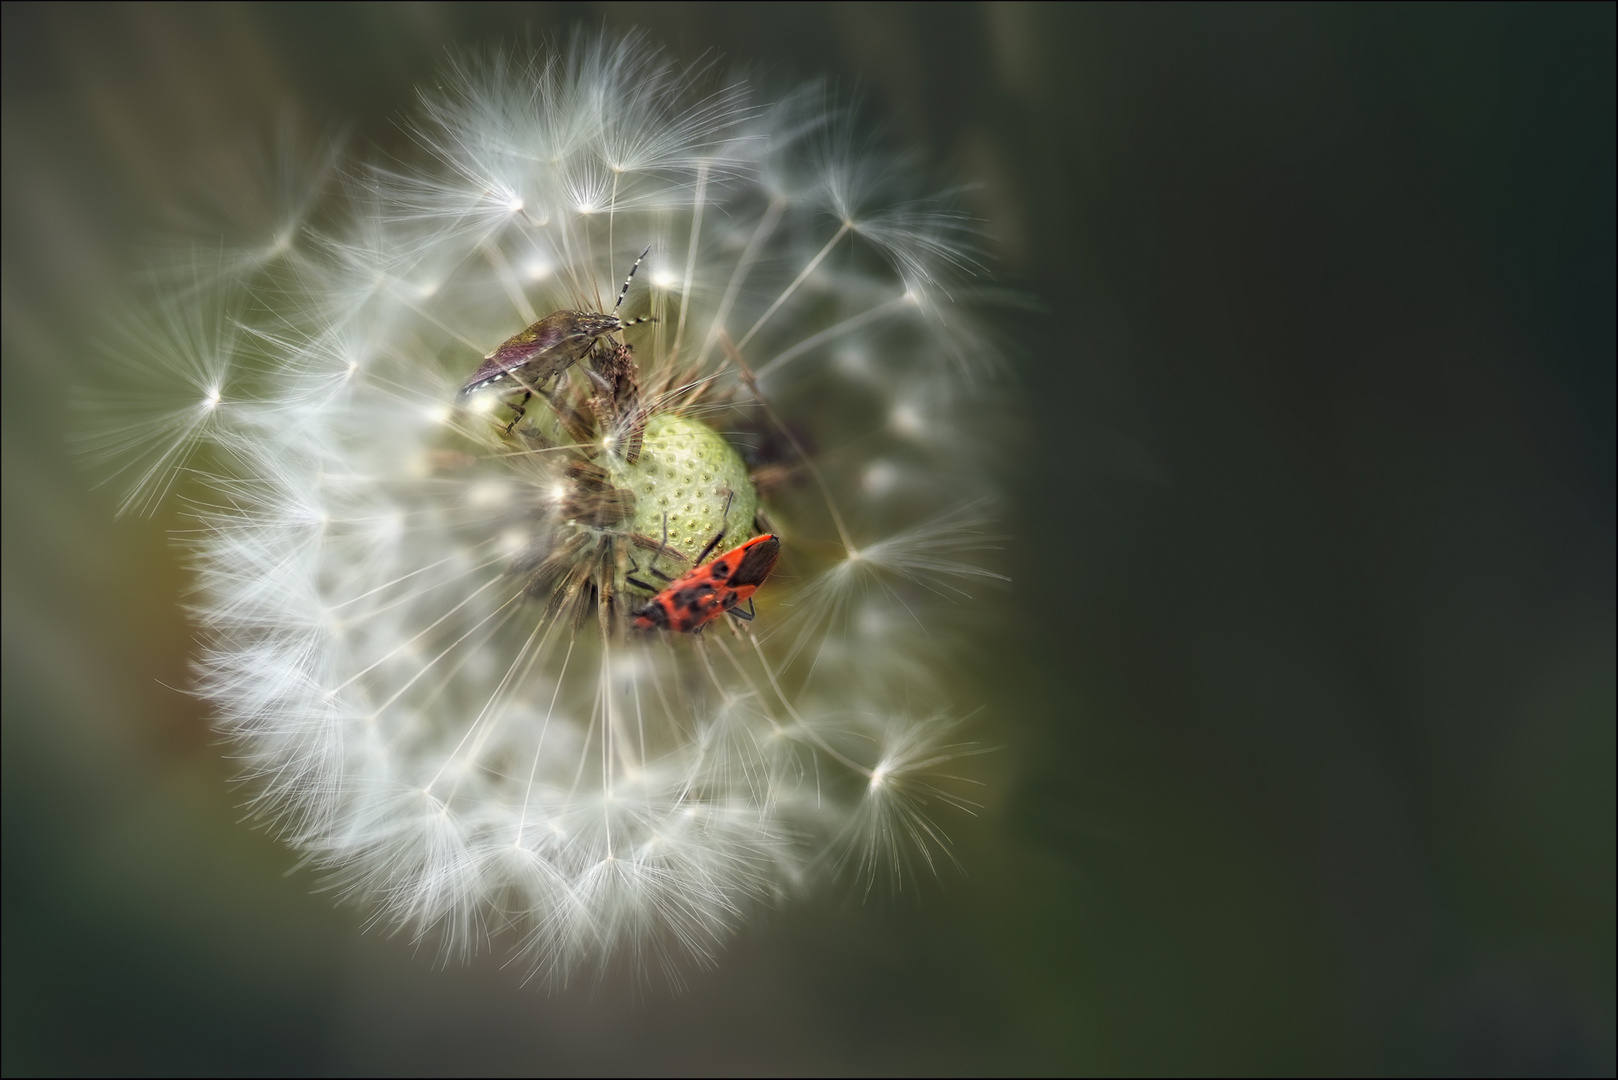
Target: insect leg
{"x":652,"y":567}
{"x":635,"y":568}
{"x":518,"y":411}
{"x":720,"y":535}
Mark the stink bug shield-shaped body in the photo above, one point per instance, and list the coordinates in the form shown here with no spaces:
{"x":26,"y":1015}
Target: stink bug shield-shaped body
{"x":530,"y":359}
{"x":697,"y":597}
{"x":527,"y":360}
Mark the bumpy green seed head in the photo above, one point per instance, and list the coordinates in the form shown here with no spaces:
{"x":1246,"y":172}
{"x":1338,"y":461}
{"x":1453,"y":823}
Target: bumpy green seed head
{"x":685,"y":475}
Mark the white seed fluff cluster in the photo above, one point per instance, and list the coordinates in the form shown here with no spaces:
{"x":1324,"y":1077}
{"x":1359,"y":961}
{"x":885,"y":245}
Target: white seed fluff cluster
{"x":418,"y":602}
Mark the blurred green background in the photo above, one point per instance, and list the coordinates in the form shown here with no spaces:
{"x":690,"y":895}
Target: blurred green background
{"x":1306,"y":686}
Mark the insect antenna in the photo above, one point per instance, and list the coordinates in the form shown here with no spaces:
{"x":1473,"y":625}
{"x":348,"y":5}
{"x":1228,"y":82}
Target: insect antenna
{"x":623,"y":292}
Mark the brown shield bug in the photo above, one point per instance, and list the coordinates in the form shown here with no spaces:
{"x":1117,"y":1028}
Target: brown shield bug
{"x":526,"y":361}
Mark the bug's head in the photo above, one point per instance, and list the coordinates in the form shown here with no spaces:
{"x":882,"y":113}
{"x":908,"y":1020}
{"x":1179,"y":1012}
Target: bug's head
{"x":592,"y":324}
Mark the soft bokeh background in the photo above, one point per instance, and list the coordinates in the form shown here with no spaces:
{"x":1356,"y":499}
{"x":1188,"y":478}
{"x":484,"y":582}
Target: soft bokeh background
{"x":1305,"y":692}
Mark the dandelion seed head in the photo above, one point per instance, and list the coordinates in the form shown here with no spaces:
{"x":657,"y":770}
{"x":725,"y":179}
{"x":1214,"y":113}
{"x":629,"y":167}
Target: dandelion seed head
{"x":417,"y":582}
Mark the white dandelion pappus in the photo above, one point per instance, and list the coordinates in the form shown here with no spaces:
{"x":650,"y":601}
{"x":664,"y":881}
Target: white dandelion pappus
{"x":416,"y":583}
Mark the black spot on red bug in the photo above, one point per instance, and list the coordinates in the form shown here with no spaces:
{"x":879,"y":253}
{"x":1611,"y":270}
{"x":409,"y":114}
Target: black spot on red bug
{"x":653,"y":616}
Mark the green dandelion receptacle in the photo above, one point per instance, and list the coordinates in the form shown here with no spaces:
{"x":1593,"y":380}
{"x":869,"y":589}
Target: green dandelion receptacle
{"x":691,"y":479}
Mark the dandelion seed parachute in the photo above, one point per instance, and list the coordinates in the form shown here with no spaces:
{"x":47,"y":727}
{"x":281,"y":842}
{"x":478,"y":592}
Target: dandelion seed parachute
{"x":416,"y":605}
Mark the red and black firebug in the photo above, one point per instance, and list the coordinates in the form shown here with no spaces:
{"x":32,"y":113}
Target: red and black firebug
{"x":699,"y":596}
